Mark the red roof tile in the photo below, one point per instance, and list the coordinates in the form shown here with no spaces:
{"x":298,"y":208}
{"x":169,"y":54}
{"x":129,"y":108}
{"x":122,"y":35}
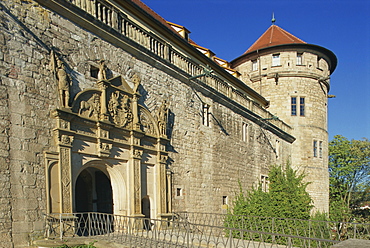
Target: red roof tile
{"x":274,"y":36}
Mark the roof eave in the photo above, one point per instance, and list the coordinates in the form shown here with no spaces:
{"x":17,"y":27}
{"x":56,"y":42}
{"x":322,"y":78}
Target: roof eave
{"x":330,"y":56}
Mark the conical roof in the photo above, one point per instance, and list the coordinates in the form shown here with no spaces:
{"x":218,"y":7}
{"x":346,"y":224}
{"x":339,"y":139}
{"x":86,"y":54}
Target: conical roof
{"x":274,"y":36}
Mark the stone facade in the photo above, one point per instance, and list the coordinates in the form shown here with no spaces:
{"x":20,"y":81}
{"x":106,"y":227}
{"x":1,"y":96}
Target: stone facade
{"x":87,"y":99}
{"x":303,"y":72}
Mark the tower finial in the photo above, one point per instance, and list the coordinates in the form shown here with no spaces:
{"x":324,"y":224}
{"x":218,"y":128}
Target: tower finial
{"x":273,"y":20}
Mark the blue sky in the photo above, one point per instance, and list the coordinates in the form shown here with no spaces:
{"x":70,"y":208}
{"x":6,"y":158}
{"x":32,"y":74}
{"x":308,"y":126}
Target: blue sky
{"x":230,"y":27}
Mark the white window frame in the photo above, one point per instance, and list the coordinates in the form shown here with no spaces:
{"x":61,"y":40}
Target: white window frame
{"x":276,"y":59}
{"x":254,"y":65}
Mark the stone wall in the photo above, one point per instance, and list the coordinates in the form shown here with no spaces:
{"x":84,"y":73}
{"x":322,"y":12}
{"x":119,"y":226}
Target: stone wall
{"x":206,"y":162}
{"x":278,"y":84}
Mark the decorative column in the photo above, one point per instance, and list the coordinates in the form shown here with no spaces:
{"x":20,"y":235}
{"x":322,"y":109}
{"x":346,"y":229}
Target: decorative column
{"x":104,"y":116}
{"x":135,"y":112}
{"x":161,"y":172}
{"x":65,"y":147}
{"x":135,"y":174}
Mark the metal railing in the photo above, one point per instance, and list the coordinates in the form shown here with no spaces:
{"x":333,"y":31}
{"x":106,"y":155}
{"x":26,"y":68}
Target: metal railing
{"x":203,"y":230}
{"x":308,"y":228}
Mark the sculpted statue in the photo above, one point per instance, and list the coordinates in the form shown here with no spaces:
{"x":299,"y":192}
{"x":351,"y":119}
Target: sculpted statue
{"x":59,"y":70}
{"x":113,"y":106}
{"x":136,"y":80}
{"x":102,"y":74}
{"x":91,"y":108}
{"x":162,"y":117}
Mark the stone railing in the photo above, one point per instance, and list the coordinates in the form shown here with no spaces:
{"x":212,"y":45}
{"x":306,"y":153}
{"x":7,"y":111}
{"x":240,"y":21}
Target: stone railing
{"x":118,"y":20}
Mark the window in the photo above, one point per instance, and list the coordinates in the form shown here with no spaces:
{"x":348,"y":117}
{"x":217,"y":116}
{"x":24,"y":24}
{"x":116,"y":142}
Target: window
{"x":224,"y":200}
{"x":299,"y":58}
{"x":315,"y":148}
{"x":245,"y":132}
{"x":254,"y":65}
{"x":205,"y":115}
{"x":265,"y":183}
{"x":94,"y":71}
{"x":276,"y":59}
{"x":294,"y":106}
{"x":320,"y":149}
{"x":301,"y":106}
{"x":277,"y":148}
{"x":318,"y":62}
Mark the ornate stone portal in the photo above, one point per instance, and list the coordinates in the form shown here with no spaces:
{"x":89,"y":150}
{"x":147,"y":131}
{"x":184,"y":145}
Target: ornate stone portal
{"x":106,"y":130}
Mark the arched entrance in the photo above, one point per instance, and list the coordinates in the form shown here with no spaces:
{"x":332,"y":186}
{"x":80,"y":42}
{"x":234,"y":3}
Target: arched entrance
{"x":93,"y":192}
{"x":93,"y":195}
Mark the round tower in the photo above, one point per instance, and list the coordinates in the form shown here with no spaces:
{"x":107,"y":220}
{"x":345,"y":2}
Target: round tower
{"x":294,"y":77}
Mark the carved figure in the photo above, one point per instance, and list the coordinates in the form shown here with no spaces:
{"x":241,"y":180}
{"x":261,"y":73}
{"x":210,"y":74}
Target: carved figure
{"x":126,"y":116}
{"x":102,"y":74}
{"x":91,"y":108}
{"x":146,"y":123}
{"x":59,"y":71}
{"x":113,"y":106}
{"x":162,"y":117}
{"x":136,"y":80}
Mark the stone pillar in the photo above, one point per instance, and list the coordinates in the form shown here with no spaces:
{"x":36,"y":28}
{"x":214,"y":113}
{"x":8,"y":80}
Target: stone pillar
{"x":65,"y":147}
{"x":104,"y":116}
{"x":135,"y":175}
{"x":135,"y":112}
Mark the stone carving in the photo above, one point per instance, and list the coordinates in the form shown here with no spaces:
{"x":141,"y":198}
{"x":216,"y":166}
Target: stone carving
{"x":105,"y":146}
{"x":91,"y":108}
{"x":146,"y":123}
{"x":66,"y":180}
{"x":59,"y":70}
{"x":120,"y":110}
{"x":102,"y":74}
{"x":138,"y":154}
{"x":136,"y":80}
{"x":163,"y":159}
{"x":162,"y":117}
{"x":66,"y":139}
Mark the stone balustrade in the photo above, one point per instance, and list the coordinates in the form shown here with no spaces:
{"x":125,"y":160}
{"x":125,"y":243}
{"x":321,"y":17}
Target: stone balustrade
{"x":117,"y":19}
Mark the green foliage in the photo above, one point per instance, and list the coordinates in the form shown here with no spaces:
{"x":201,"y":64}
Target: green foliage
{"x":90,"y":245}
{"x":286,"y":198}
{"x":349,"y":168}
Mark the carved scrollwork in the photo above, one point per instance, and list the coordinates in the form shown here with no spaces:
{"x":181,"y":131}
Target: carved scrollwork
{"x":91,"y":107}
{"x":66,"y":139}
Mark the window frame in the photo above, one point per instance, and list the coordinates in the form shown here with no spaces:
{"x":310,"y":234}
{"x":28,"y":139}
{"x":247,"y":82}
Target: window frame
{"x":275,"y":60}
{"x":255,"y":65}
{"x":293,"y":106}
{"x":205,"y":115}
{"x":302,"y":107}
{"x":299,"y":60}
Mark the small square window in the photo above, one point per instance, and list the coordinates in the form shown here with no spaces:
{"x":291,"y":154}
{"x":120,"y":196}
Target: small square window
{"x":178,"y":191}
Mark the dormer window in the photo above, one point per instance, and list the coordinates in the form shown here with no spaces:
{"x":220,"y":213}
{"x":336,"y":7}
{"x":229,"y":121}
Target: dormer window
{"x":276,"y":59}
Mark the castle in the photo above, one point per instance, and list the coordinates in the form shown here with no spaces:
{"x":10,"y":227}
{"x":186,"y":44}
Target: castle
{"x":108,"y":107}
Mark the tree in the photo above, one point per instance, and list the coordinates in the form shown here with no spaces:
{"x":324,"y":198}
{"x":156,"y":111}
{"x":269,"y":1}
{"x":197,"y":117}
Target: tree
{"x":286,"y":198}
{"x":349,"y":169}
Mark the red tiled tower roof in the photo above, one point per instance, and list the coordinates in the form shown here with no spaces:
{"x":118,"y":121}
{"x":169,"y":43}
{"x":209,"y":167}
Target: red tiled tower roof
{"x":274,"y":36}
